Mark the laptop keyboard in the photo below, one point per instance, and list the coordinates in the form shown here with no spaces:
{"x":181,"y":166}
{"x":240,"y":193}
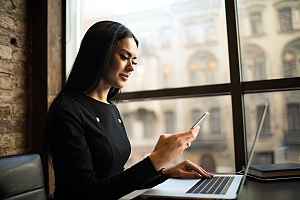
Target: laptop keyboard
{"x":215,"y":185}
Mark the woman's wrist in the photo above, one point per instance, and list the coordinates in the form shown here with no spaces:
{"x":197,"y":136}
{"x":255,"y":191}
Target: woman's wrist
{"x":161,"y":171}
{"x":156,"y":164}
{"x":165,"y":173}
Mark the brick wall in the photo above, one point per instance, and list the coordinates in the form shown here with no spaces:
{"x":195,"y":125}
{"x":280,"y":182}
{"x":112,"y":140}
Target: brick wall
{"x":15,"y":78}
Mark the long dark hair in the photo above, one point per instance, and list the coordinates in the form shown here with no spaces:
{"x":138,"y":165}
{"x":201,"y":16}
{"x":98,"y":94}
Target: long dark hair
{"x":93,"y":56}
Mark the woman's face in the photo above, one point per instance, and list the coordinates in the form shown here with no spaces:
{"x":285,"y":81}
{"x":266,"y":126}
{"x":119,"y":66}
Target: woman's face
{"x":124,"y":56}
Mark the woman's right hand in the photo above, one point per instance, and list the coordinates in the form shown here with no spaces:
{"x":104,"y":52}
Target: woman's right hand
{"x":170,"y":146}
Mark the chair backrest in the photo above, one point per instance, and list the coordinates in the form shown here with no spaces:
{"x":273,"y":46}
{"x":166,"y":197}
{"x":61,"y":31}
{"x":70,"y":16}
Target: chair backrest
{"x":21,"y":178}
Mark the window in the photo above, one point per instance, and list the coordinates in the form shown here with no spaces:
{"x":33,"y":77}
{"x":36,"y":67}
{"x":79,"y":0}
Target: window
{"x":179,"y":115}
{"x":209,"y":30}
{"x":254,"y":62}
{"x":215,"y":122}
{"x":266,"y":125}
{"x":192,"y":32}
{"x":201,"y":70}
{"x":289,"y":64}
{"x":285,"y":19}
{"x":293,"y":114}
{"x":277,"y":135}
{"x":256,"y":23}
{"x":259,"y":72}
{"x":147,"y":119}
{"x":291,"y":53}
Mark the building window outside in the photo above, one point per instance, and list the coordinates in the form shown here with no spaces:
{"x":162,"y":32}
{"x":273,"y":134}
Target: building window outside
{"x":192,"y":32}
{"x":259,"y":69}
{"x":285,"y":19}
{"x":215,"y":121}
{"x":202,"y":68}
{"x":256,"y":23}
{"x":266,"y":129}
{"x":289,"y":64}
{"x":254,"y":63}
{"x":293,"y":113}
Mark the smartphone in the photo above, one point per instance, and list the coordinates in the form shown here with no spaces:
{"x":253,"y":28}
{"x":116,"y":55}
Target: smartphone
{"x":201,"y":119}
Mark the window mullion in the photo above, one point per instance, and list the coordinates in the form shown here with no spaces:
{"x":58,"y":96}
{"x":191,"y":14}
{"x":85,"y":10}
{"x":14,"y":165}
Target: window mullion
{"x":239,"y":136}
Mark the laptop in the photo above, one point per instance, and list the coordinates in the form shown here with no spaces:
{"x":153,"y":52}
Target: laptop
{"x":222,"y":186}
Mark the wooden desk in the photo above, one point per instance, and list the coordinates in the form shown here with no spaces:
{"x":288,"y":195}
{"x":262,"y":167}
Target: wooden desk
{"x":274,"y":190}
{"x":258,"y":190}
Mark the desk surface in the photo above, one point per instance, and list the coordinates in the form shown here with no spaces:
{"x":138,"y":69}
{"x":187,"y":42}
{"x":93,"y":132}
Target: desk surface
{"x":275,"y":190}
{"x":259,"y":190}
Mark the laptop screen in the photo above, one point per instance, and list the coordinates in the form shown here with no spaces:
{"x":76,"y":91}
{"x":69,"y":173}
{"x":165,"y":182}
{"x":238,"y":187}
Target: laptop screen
{"x":253,"y":146}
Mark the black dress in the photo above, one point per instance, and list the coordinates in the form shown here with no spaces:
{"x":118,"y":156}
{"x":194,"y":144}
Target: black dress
{"x":89,"y":147}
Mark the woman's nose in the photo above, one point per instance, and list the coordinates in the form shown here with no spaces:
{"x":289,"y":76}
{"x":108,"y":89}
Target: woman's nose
{"x":129,"y":66}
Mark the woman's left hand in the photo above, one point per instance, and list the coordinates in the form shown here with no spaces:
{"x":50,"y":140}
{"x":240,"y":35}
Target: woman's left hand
{"x":186,"y":169}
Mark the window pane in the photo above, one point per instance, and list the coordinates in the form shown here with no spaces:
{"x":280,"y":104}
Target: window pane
{"x":182,"y":43}
{"x":213,"y":148}
{"x":268,"y":41}
{"x":279,"y":141}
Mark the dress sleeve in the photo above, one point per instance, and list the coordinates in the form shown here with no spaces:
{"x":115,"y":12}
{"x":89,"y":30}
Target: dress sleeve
{"x":72,"y":161}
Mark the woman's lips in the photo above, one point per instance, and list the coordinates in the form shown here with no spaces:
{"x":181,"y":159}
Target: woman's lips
{"x":124,"y":76}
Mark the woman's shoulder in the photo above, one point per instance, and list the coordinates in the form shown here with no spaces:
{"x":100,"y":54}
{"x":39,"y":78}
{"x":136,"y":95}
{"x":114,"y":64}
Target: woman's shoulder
{"x":66,"y":97}
{"x":66,"y":101}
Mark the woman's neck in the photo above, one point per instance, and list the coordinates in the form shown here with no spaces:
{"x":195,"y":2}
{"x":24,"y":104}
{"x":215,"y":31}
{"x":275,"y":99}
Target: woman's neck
{"x":99,"y":95}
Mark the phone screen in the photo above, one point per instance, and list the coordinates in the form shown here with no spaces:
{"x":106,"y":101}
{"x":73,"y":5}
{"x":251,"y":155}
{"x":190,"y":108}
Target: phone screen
{"x":201,"y":119}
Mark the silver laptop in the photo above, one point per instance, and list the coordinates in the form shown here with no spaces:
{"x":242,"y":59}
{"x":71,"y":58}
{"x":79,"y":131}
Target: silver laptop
{"x":222,"y":186}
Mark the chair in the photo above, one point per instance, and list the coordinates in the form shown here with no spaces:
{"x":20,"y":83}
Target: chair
{"x":21,"y":178}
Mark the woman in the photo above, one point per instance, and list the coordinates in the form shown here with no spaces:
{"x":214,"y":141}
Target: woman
{"x":85,"y":133}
